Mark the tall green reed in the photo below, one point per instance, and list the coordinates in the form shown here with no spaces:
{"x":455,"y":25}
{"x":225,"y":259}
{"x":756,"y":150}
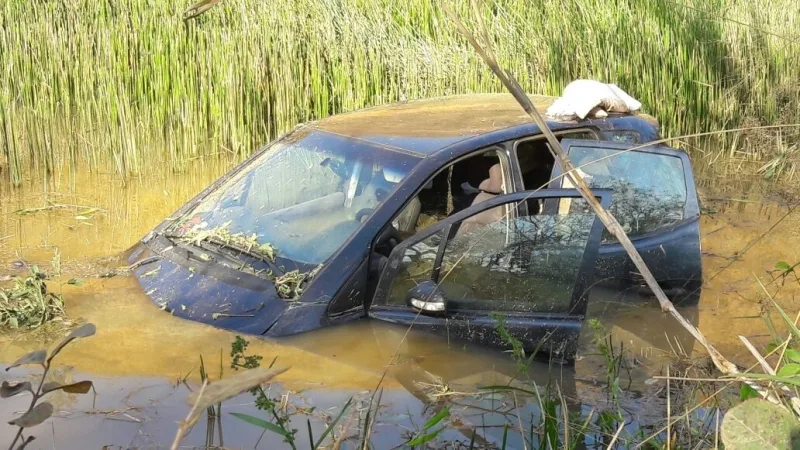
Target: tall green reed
{"x":128,"y":86}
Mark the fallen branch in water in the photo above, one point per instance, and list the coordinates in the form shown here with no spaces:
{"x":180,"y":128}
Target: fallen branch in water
{"x":610,"y":222}
{"x":219,"y":391}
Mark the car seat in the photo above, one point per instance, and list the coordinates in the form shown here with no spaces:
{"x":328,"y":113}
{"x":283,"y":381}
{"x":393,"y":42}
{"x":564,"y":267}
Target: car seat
{"x":490,"y":188}
{"x":406,"y":221}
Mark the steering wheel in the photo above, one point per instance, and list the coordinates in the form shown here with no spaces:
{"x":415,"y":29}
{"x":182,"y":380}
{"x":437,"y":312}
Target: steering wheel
{"x":336,"y":167}
{"x":364,"y":212}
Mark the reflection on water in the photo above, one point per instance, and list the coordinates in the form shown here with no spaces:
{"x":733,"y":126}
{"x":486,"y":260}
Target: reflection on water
{"x":137,"y":342}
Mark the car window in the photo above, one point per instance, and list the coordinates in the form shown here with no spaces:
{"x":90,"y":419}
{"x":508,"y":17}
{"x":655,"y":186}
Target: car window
{"x":507,"y":260}
{"x":649,"y":188}
{"x":305,"y":197}
{"x":536,"y":161}
{"x":417,"y":267}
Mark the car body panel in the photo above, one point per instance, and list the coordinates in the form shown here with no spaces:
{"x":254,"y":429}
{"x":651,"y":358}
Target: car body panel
{"x":428,"y":126}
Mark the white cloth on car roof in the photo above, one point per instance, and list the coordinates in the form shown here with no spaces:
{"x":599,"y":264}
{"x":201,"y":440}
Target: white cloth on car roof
{"x":582,"y":97}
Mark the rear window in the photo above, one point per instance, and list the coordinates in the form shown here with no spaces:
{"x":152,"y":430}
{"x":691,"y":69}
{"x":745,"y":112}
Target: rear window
{"x":649,"y":188}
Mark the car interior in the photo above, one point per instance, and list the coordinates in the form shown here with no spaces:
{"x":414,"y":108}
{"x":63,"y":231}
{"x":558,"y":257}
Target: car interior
{"x":464,"y":183}
{"x":478,"y":178}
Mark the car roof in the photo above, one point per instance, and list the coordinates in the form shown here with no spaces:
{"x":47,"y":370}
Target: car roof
{"x":428,"y":125}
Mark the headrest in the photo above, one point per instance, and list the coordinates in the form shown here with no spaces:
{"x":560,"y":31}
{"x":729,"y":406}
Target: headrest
{"x":493,"y":184}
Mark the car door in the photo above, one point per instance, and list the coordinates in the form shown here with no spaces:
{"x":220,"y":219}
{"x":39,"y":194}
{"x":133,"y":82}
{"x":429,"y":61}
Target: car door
{"x":655,"y":200}
{"x":493,"y":270}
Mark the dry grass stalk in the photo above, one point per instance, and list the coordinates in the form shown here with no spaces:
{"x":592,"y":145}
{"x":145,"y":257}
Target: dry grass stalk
{"x":219,"y":391}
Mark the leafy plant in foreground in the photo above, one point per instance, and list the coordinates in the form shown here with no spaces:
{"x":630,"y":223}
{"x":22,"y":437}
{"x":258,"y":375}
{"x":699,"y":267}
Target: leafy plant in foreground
{"x":517,"y":350}
{"x":262,"y":401}
{"x":28,"y":303}
{"x":39,"y":412}
{"x":281,"y":418}
{"x":774,"y":423}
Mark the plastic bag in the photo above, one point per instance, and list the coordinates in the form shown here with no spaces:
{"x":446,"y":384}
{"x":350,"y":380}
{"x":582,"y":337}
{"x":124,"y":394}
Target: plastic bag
{"x":582,"y":98}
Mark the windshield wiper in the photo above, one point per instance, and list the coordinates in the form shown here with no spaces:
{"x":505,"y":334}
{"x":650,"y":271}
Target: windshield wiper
{"x":218,"y":244}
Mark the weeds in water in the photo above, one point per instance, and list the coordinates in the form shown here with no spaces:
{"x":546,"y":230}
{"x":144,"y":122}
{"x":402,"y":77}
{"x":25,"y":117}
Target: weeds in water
{"x":217,"y":392}
{"x":39,"y":412}
{"x":517,"y":349}
{"x":241,"y":360}
{"x":784,"y":161}
{"x":28,"y":304}
{"x":429,"y":430}
{"x":614,"y":358}
{"x":280,"y":416}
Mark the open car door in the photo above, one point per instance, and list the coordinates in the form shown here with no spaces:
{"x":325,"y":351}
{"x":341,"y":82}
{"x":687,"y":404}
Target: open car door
{"x":655,"y":200}
{"x":506,"y":265}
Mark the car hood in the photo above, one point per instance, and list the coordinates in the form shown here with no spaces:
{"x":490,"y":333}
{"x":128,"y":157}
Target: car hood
{"x":207,"y":292}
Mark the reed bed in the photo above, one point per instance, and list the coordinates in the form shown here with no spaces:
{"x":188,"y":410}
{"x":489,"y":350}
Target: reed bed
{"x":128,"y":86}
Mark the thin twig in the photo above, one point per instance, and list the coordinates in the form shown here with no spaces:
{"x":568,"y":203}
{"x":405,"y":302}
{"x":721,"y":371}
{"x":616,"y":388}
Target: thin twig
{"x":519,"y":420}
{"x":669,"y":412}
{"x":616,"y":435}
{"x":185,"y":422}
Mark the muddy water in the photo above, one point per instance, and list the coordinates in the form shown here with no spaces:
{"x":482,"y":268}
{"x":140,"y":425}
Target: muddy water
{"x":745,"y":232}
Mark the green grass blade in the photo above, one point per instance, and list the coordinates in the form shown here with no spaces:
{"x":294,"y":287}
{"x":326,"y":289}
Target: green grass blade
{"x":310,"y":435}
{"x":507,"y":388}
{"x":793,"y":380}
{"x":786,"y":319}
{"x":419,"y":440}
{"x":332,"y":425}
{"x":261,"y":424}
{"x":436,"y":419}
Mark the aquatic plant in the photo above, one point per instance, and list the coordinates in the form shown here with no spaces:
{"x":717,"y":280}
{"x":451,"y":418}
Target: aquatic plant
{"x":613,"y":358}
{"x":131,"y":88}
{"x":39,"y":412}
{"x":27,"y":303}
{"x":773,"y":419}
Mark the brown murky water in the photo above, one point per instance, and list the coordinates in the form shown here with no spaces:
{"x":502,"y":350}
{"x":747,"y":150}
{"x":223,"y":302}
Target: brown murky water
{"x":139,"y":350}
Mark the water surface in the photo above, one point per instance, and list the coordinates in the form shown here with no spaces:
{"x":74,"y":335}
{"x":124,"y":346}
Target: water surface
{"x":140,"y":352}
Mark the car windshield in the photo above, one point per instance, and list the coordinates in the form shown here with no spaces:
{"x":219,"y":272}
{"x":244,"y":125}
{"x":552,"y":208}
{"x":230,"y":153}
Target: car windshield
{"x":304,"y":197}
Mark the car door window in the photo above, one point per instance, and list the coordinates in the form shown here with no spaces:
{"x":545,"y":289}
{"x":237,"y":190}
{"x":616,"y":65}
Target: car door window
{"x":650,"y":190}
{"x":416,"y":267}
{"x":506,"y":260}
{"x":535,"y":160}
{"x":521,"y":262}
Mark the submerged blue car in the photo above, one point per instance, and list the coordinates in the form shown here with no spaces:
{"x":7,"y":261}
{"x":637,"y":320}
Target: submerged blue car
{"x":450,"y":214}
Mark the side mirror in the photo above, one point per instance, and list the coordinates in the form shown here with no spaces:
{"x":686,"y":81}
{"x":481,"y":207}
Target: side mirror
{"x":427,"y":298}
